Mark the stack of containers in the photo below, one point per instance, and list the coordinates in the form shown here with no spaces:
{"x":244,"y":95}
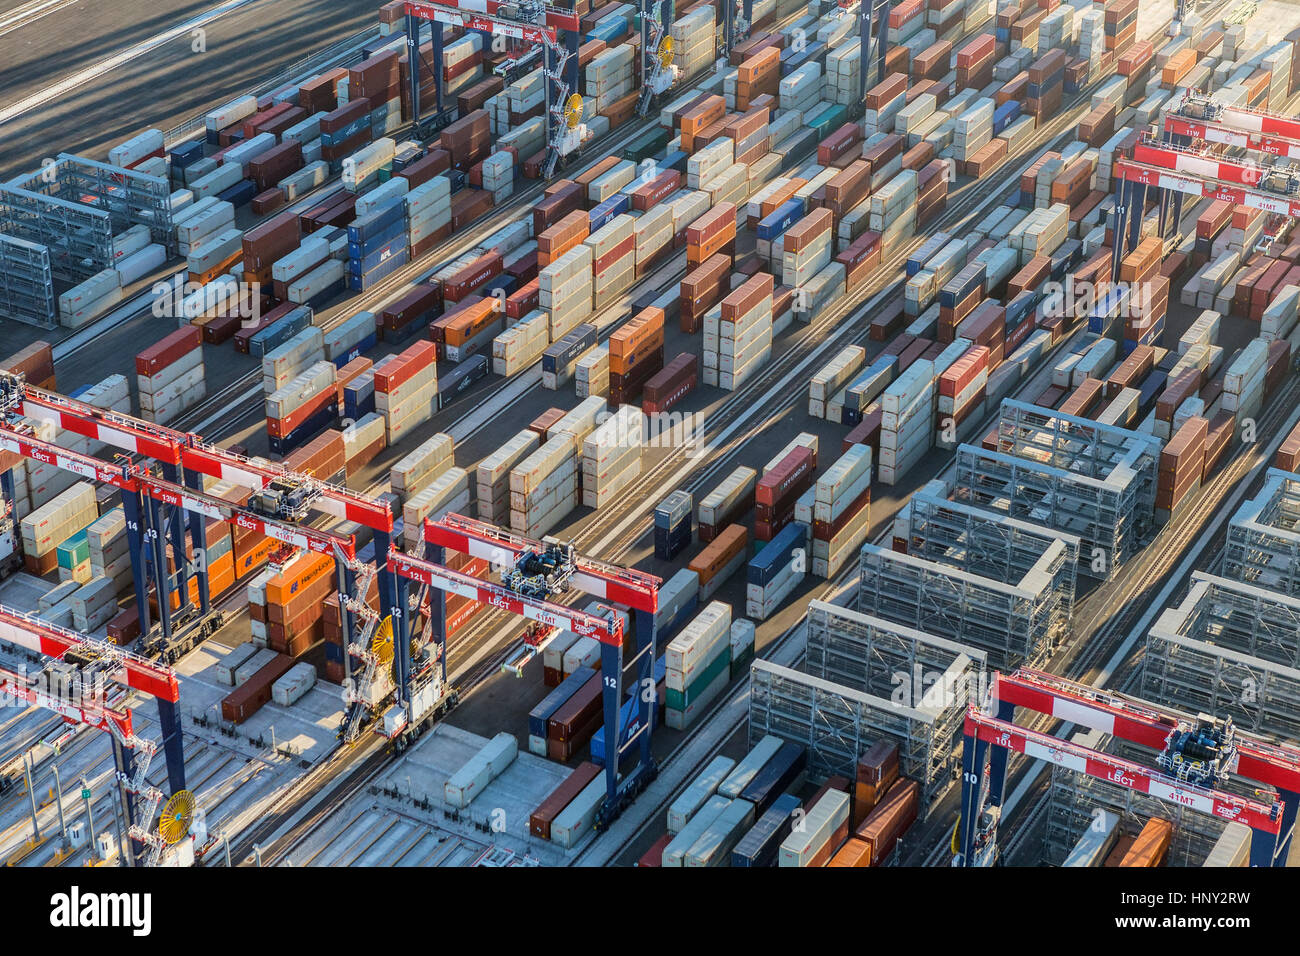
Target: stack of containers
{"x":777,"y":492}
{"x":824,"y":830}
{"x":1243,"y":384}
{"x":415,"y":470}
{"x":591,"y":374}
{"x":698,"y":662}
{"x":961,"y":395}
{"x":653,"y":232}
{"x":53,"y":522}
{"x":907,"y":423}
{"x":109,"y":547}
{"x":544,"y":486}
{"x":302,"y":407}
{"x":170,"y":375}
{"x":560,"y":360}
{"x":738,"y":336}
{"x":776,"y":571}
{"x":378,"y":244}
{"x":406,"y":389}
{"x":566,"y":289}
{"x":609,"y":76}
{"x":1182,"y":466}
{"x":893,"y":210}
{"x":727,"y":503}
{"x":283,"y":363}
{"x":613,"y":259}
{"x":428,"y":211}
{"x":611,"y":456}
{"x":694,"y":38}
{"x":493,"y":476}
{"x":973,"y":129}
{"x":520,"y":346}
{"x":673,"y":525}
{"x":449,"y":492}
{"x":91,"y":298}
{"x":807,"y":248}
{"x":841,"y":511}
{"x":636,"y":353}
{"x":719,"y":560}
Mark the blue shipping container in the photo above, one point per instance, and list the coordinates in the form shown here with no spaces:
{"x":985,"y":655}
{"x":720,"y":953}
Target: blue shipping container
{"x":240,"y":193}
{"x":775,"y":776}
{"x":760,"y":845}
{"x":371,"y":225}
{"x":186,"y":154}
{"x":780,"y":219}
{"x":377,"y":239}
{"x":360,"y":283}
{"x":359,"y":267}
{"x":776,"y":554}
{"x":279,"y":331}
{"x":539,"y":715}
{"x":569,"y":349}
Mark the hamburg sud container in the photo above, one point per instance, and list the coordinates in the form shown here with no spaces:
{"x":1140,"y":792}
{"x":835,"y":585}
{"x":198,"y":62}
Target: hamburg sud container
{"x":673,"y":525}
{"x":727,"y":503}
{"x":720,"y":559}
{"x":776,"y":571}
{"x":698,"y":662}
{"x":170,"y":375}
{"x":777,"y":491}
{"x":826,"y":826}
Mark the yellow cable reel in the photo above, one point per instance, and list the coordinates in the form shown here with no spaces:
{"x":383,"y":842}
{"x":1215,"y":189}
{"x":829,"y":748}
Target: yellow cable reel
{"x":174,"y":821}
{"x":666,"y":52}
{"x":381,"y":645}
{"x":573,"y":110}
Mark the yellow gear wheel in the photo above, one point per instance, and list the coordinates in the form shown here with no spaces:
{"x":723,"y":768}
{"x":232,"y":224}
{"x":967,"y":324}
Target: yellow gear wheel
{"x":174,"y":821}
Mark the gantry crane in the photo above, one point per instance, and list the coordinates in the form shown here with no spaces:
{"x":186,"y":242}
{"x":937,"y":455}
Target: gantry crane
{"x":1180,"y":162}
{"x":156,"y":509}
{"x":86,"y":701}
{"x":527,"y":20}
{"x":656,"y":68}
{"x":533,"y":573}
{"x":1194,"y":760}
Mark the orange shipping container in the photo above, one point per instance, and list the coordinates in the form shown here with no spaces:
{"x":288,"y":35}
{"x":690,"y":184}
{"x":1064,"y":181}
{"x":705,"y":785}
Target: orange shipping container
{"x":1151,"y":845}
{"x":720,"y":552}
{"x":639,"y":337}
{"x":471,"y":321}
{"x":300,"y":573}
{"x":853,"y":853}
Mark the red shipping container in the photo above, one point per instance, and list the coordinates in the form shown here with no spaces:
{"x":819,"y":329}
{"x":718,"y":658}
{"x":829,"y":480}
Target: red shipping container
{"x":784,"y":483}
{"x":169,"y":350}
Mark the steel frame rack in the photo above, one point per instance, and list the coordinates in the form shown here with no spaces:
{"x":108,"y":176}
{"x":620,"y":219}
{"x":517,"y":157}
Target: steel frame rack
{"x":1070,"y":474}
{"x":937,"y":528}
{"x":1014,"y":621}
{"x":1263,"y":543}
{"x":1240,"y":617}
{"x":612,"y":584}
{"x":990,"y":734}
{"x":26,"y":282}
{"x":870,"y":653}
{"x":837,"y":724}
{"x":108,"y":661}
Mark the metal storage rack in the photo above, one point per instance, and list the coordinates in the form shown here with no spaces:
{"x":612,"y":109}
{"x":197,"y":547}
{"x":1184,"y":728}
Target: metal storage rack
{"x":74,"y":207}
{"x":26,"y":282}
{"x":836,"y":724}
{"x":1239,"y":617}
{"x":1074,"y":798}
{"x":988,"y":543}
{"x":887,"y":659}
{"x":1069,"y":474}
{"x":1263,"y":544}
{"x":1196,"y":676}
{"x":1014,"y":621}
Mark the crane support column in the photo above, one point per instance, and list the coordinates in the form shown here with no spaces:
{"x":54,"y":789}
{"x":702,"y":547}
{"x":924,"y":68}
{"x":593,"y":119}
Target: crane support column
{"x":161,"y":580}
{"x":572,"y":41}
{"x":435,"y":28}
{"x":199,"y":542}
{"x":174,"y":519}
{"x":347,"y":584}
{"x":124,"y":761}
{"x":437,"y":608}
{"x":974,"y":752}
{"x":413,"y":59}
{"x":392,"y":603}
{"x":133,"y":508}
{"x":169,"y":723}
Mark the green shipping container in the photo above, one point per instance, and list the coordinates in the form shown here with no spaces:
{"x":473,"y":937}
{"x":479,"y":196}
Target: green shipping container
{"x":823,"y":122}
{"x":645,"y":146}
{"x":75,"y":550}
{"x":680,"y":700}
{"x":741,"y":664}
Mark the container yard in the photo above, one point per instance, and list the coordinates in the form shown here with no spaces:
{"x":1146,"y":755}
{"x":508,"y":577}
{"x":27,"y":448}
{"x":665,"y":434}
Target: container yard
{"x":755,"y":434}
